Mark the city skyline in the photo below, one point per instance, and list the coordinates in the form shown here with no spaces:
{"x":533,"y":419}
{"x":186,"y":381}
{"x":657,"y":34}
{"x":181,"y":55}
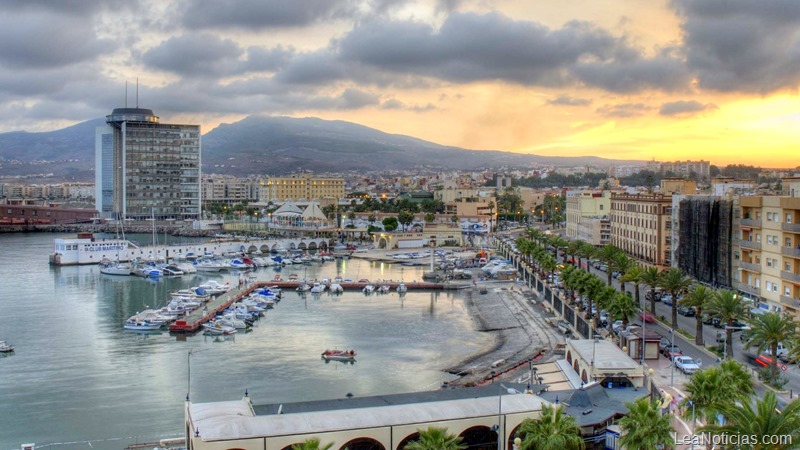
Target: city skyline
{"x":676,"y":80}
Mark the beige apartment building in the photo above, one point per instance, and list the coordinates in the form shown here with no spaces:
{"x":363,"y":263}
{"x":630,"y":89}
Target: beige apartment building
{"x":588,"y":216}
{"x":678,"y":185}
{"x":769,"y":266}
{"x":641,"y":226}
{"x":229,"y":190}
{"x":302,"y":186}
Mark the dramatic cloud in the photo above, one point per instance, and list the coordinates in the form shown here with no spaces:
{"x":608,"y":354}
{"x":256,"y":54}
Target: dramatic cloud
{"x":566,"y":100}
{"x":624,"y":110}
{"x":43,"y":39}
{"x":470,"y":47}
{"x":200,"y":55}
{"x":684,"y":108}
{"x":260,"y":14}
{"x":742,"y":45}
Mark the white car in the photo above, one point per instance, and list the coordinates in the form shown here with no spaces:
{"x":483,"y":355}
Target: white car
{"x":686,"y":364}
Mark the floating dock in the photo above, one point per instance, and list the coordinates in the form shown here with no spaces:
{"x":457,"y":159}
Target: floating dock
{"x":194,"y":320}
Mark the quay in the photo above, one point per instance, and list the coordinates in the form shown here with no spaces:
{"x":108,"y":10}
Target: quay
{"x":194,"y":320}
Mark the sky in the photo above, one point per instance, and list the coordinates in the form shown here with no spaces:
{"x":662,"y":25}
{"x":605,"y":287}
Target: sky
{"x":624,"y":79}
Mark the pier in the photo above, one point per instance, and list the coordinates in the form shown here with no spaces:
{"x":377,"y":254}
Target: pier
{"x":194,"y":320}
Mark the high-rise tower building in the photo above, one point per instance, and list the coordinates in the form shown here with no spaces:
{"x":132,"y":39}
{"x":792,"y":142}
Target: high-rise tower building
{"x":145,"y":169}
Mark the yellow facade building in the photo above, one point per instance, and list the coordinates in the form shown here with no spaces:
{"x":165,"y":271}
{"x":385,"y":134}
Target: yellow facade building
{"x":587,"y":216}
{"x":641,"y":226}
{"x":769,"y":265}
{"x":302,"y":186}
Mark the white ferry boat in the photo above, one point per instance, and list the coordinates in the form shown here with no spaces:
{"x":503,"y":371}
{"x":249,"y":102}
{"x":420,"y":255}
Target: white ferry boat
{"x":85,"y":249}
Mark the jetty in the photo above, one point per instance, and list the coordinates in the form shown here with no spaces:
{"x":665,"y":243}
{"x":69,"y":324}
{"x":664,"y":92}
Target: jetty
{"x":194,"y":320}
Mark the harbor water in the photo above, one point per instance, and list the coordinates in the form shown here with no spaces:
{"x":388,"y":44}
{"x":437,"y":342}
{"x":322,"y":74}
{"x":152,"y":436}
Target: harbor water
{"x":77,"y":380}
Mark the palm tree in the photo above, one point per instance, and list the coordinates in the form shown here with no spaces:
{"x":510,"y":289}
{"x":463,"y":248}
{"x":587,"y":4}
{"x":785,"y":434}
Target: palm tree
{"x":622,"y":264}
{"x":675,"y":281}
{"x":768,"y":330}
{"x":607,"y":253}
{"x":553,"y":431}
{"x":727,"y":306}
{"x":436,"y":439}
{"x":645,"y":428}
{"x":697,"y":298}
{"x":765,"y":420}
{"x":312,"y":444}
{"x":652,"y":278}
{"x":586,"y":251}
{"x":622,"y":307}
{"x":633,"y":275}
{"x":710,"y":389}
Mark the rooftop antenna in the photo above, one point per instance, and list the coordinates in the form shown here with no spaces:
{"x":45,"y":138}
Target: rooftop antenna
{"x":137,"y":92}
{"x":126,"y":93}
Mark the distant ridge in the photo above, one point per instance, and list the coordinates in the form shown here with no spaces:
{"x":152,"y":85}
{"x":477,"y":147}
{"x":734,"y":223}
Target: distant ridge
{"x":271,"y":145}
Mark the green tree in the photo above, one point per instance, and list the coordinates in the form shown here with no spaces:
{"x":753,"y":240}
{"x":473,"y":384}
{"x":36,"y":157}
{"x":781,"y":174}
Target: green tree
{"x":430,"y":218}
{"x":767,"y":331}
{"x":454,"y":219}
{"x":607,"y":254}
{"x":436,"y":439}
{"x":763,"y":420}
{"x":651,"y":278}
{"x":312,"y":444}
{"x":404,"y":218}
{"x":728,"y":307}
{"x":351,"y":216}
{"x":711,"y":388}
{"x":622,"y":264}
{"x":697,"y":298}
{"x":645,"y":428}
{"x":554,"y":430}
{"x":586,"y":251}
{"x":372,"y":218}
{"x":675,"y":282}
{"x":622,"y":307}
{"x":389,"y":223}
{"x":329,"y":211}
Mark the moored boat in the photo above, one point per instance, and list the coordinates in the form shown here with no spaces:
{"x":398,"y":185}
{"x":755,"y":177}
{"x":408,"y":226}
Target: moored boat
{"x":402,"y":288}
{"x":5,"y":347}
{"x":141,"y":325}
{"x":115,"y":268}
{"x":339,"y":355}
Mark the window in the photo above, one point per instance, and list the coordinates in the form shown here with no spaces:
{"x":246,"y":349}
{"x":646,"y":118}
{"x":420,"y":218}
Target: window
{"x":788,"y":217}
{"x":787,"y":266}
{"x":787,"y":291}
{"x":769,"y":217}
{"x":775,"y":287}
{"x":769,"y":262}
{"x":769,"y":285}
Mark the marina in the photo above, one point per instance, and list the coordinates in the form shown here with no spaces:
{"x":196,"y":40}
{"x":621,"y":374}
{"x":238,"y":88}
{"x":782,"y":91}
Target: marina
{"x":131,"y":385}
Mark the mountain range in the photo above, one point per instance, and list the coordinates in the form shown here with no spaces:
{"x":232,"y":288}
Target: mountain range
{"x":271,"y":145}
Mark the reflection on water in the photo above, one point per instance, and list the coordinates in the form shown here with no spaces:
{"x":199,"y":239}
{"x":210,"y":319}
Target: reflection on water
{"x":77,"y":375}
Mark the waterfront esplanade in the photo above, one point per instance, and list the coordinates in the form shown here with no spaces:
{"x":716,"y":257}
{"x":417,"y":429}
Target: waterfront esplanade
{"x":384,"y":422}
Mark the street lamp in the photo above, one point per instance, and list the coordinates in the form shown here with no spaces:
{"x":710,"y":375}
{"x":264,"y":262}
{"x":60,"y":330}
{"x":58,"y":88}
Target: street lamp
{"x":672,"y":360}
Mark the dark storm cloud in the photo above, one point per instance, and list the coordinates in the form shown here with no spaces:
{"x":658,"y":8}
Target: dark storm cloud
{"x":684,"y":108}
{"x":260,"y":14}
{"x":566,"y":100}
{"x":67,"y":7}
{"x":261,"y":59}
{"x":470,"y":47}
{"x":200,"y":55}
{"x":742,"y":45}
{"x":624,"y":110}
{"x":320,"y":67}
{"x":43,"y":39}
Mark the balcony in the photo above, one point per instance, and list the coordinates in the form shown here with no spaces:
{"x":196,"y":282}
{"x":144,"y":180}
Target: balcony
{"x":752,"y":223}
{"x":791,"y":227}
{"x":744,"y":243}
{"x":749,"y":289}
{"x":789,"y":251}
{"x":789,"y":301}
{"x":752,"y":267}
{"x":790,"y":276}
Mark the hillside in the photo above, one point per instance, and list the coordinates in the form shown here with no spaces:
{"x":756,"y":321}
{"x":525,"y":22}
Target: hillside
{"x":268,"y":145}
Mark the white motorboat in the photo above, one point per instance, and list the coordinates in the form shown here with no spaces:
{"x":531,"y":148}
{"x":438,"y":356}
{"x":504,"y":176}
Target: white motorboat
{"x":336,"y":288}
{"x":5,"y":347}
{"x":217,"y":328}
{"x":231,"y":321}
{"x":368,"y":289}
{"x":402,"y":288}
{"x":186,"y":268}
{"x":117,"y":268}
{"x":303,"y":288}
{"x":213,"y":287}
{"x":205,"y":265}
{"x":141,"y":325}
{"x":194,"y":293}
{"x":317,"y":288}
{"x":171,"y":271}
{"x":384,"y":289}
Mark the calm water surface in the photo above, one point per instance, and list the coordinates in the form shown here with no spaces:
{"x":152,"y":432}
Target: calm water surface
{"x":78,"y":380}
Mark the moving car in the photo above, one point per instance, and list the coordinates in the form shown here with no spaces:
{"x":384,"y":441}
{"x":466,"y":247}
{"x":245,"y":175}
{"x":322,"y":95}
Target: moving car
{"x":686,"y":364}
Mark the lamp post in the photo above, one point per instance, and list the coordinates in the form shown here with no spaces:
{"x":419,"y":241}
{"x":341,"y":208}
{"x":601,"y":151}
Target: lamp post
{"x":672,"y":360}
{"x":694,"y":421}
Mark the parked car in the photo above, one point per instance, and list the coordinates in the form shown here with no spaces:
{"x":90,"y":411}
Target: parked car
{"x":707,"y":319}
{"x":616,"y":326}
{"x":720,"y":336}
{"x":663,"y":344}
{"x":686,"y":364}
{"x":666,"y":299}
{"x":687,"y":311}
{"x":671,"y":350}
